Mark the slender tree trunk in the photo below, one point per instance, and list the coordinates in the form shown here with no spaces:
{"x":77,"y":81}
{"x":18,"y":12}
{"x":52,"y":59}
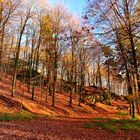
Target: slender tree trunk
{"x":17,"y":56}
{"x":71,"y":87}
{"x":99,"y":72}
{"x":31,"y":62}
{"x":36,"y":66}
{"x":108,"y":82}
{"x":1,"y":46}
{"x":133,"y":109}
{"x":61,"y":80}
{"x":54,"y":79}
{"x":1,"y":32}
{"x":75,"y":89}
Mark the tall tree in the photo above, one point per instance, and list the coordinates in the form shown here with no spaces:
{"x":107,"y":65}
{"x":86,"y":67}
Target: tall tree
{"x":24,"y":20}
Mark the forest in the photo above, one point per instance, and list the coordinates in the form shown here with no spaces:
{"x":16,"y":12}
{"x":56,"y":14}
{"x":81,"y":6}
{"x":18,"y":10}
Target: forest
{"x":80,"y":74}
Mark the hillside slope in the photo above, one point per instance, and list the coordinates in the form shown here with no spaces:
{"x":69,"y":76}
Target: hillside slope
{"x":22,"y":100}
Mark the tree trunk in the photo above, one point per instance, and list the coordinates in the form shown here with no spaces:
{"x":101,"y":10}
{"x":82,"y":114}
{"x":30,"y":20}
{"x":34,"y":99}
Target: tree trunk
{"x":54,"y":75}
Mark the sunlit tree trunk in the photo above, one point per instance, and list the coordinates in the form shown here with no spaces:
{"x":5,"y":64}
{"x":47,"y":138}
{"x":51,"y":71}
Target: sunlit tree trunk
{"x":36,"y":65}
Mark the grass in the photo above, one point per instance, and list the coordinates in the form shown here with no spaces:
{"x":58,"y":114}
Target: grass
{"x":122,"y":113}
{"x":25,"y":115}
{"x":128,"y":126}
{"x":132,"y":124}
{"x":99,"y":119}
{"x":114,"y":125}
{"x":107,"y":125}
{"x":6,"y":117}
{"x":22,"y":115}
{"x":89,"y":125}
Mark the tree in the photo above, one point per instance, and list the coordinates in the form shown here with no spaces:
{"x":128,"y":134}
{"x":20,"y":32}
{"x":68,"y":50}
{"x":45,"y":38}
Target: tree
{"x":116,"y":19}
{"x":7,"y":11}
{"x":55,"y":22}
{"x":24,"y":20}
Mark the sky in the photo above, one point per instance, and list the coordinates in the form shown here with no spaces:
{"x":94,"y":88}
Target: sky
{"x":75,"y":6}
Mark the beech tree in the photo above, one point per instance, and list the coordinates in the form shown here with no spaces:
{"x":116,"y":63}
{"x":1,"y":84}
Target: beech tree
{"x":117,"y":19}
{"x":56,"y":23}
{"x":23,"y":22}
{"x":8,"y":10}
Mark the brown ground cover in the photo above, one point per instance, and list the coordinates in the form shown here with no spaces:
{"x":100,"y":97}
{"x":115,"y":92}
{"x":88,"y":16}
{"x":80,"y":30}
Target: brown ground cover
{"x":64,"y":123}
{"x":60,"y":129}
{"x":39,"y":106}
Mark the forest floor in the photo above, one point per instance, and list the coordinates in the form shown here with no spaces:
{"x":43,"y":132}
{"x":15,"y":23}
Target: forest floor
{"x":64,"y":129}
{"x":22,"y":99}
{"x":62,"y":122}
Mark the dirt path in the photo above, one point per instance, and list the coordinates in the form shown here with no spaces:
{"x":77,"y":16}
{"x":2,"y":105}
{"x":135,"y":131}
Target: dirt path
{"x":59,"y":129}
